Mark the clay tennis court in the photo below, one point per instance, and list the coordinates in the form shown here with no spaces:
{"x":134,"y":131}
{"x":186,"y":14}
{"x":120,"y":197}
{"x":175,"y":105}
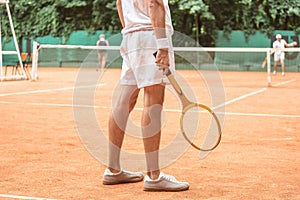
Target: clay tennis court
{"x":42,"y":155}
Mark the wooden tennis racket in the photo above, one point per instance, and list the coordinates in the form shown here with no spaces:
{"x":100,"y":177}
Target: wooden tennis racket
{"x":193,"y":117}
{"x":263,"y":65}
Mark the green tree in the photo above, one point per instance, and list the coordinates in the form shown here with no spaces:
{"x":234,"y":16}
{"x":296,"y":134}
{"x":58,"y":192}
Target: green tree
{"x":58,"y":18}
{"x":208,"y":16}
{"x":251,"y":15}
{"x":200,"y":19}
{"x":105,"y":16}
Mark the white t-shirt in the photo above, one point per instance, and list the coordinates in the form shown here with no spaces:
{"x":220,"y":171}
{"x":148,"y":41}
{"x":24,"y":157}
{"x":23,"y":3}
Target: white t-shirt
{"x":279,"y":45}
{"x":136,"y":16}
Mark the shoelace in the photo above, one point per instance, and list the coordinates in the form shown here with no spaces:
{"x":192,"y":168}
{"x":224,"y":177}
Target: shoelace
{"x":170,"y":178}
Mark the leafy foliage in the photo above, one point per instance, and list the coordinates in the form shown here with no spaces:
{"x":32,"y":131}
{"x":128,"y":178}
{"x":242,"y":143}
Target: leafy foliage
{"x":200,"y":19}
{"x":251,"y":15}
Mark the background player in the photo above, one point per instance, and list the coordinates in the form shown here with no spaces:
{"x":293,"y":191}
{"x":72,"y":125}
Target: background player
{"x":279,"y":44}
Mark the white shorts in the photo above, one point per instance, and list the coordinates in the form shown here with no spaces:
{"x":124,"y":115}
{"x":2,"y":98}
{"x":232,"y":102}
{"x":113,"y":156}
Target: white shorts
{"x":138,"y":67}
{"x":278,"y":56}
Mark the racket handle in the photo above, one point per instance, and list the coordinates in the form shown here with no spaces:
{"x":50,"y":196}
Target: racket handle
{"x":175,"y":85}
{"x":169,"y":71}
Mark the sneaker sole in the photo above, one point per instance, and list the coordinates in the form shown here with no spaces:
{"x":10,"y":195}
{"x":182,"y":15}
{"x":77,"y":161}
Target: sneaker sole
{"x":166,"y":189}
{"x":120,"y":182}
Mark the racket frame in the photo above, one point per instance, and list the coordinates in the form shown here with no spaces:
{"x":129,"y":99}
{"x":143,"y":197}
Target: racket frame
{"x":186,"y":105}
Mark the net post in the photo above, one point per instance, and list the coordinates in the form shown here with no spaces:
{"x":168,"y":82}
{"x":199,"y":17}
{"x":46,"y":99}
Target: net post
{"x":269,"y":66}
{"x":35,"y":54}
{"x":17,"y":50}
{"x":14,"y":38}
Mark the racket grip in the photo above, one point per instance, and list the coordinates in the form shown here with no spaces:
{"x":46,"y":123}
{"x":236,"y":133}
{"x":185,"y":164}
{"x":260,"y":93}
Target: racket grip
{"x":169,"y":71}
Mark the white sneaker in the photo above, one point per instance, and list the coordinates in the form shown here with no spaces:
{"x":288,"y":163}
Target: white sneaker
{"x":122,"y":176}
{"x":282,"y":73}
{"x":164,"y":183}
{"x":274,"y":72}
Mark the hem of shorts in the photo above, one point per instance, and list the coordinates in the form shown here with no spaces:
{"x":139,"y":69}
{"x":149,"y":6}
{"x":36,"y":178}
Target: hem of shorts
{"x":151,"y":84}
{"x":158,"y":82}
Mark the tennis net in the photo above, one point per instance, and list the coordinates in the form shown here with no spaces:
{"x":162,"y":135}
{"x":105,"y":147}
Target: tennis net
{"x":188,"y":58}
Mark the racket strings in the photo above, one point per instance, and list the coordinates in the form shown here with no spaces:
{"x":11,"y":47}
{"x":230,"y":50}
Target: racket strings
{"x":200,"y":128}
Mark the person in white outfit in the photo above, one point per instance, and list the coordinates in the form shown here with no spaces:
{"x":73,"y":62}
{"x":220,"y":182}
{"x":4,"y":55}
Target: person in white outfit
{"x":147,"y":28}
{"x":278,"y":45}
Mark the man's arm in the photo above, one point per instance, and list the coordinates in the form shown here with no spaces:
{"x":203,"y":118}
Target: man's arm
{"x":290,"y":44}
{"x":120,"y":12}
{"x":157,"y":16}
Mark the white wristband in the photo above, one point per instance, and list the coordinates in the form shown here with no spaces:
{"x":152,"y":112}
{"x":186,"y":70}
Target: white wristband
{"x":162,"y":43}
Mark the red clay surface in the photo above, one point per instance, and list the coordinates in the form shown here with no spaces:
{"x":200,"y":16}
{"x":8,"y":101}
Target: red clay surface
{"x":258,"y":158}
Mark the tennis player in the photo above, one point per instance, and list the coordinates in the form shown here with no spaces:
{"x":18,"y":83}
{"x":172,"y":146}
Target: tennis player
{"x":279,"y":44}
{"x":147,"y":28}
{"x":102,"y":54}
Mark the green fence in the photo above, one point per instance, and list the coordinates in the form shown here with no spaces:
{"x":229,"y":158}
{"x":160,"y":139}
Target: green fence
{"x":223,"y":60}
{"x":253,"y":61}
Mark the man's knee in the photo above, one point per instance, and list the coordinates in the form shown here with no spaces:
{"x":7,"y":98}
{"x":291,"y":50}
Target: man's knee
{"x":154,"y":95}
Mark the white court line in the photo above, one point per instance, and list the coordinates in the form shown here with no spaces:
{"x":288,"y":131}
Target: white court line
{"x":259,"y":114}
{"x":239,"y":98}
{"x":250,"y":94}
{"x":284,"y":82}
{"x":22,"y":197}
{"x":276,"y":139}
{"x":101,"y":84}
{"x":49,"y":90}
{"x":140,"y":109}
{"x":55,"y":104}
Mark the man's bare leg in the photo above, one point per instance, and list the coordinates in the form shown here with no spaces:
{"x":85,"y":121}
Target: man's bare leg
{"x":117,"y":124}
{"x":151,"y":127}
{"x":282,"y":66}
{"x":275,"y":67}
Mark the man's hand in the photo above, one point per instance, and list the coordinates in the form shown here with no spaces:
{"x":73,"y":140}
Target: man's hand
{"x":294,"y":44}
{"x":162,"y":59}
